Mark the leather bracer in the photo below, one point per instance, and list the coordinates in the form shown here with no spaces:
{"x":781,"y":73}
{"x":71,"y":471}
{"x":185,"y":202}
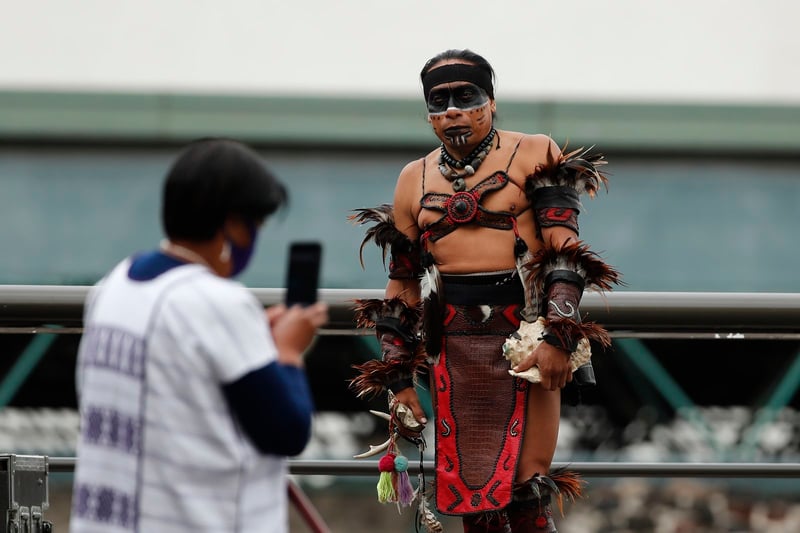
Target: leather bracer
{"x":396,"y":326}
{"x":563,"y":290}
{"x":559,"y":276}
{"x":554,"y":188}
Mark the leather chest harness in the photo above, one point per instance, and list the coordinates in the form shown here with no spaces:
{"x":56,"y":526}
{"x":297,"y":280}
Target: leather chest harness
{"x":465,"y":207}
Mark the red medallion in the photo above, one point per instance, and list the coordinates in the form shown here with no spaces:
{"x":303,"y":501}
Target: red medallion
{"x":462,"y":207}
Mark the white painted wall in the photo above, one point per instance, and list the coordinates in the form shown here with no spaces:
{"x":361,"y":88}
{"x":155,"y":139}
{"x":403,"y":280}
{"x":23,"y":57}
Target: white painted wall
{"x":658,"y":50}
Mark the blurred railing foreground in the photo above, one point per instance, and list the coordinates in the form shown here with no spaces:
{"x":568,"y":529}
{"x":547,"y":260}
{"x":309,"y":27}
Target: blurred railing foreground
{"x":628,"y":315}
{"x":624,"y":313}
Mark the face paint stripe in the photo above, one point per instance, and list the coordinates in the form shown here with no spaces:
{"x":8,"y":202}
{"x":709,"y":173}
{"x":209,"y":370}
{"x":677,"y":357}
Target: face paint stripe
{"x":464,"y":97}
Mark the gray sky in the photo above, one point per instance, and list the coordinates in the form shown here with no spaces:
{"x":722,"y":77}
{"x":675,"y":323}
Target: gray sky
{"x":678,"y":50}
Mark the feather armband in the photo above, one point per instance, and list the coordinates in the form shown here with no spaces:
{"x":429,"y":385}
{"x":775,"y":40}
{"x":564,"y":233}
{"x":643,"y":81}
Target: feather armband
{"x":561,"y":484}
{"x":404,"y":254}
{"x":559,"y":275}
{"x":555,"y":187}
{"x":396,"y":325}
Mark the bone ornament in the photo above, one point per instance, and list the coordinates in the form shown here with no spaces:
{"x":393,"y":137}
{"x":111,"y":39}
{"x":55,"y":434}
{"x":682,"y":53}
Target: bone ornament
{"x":403,"y":421}
{"x":523,"y":341}
{"x":404,"y":418}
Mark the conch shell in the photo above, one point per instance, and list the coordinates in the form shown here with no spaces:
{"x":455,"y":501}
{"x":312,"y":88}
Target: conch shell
{"x":523,"y":341}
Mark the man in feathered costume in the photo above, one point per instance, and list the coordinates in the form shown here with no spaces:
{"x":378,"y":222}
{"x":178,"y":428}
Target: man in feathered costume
{"x":486,"y":276}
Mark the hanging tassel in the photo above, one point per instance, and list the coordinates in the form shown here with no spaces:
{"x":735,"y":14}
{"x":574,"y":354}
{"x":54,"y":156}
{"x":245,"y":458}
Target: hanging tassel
{"x":386,"y":492}
{"x":405,"y":490}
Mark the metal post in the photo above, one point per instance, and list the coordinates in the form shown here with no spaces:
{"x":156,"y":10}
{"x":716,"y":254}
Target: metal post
{"x":306,"y":509}
{"x":24,"y":494}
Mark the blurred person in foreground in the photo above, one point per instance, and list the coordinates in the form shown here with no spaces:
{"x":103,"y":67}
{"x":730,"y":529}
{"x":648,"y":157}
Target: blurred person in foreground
{"x":483,"y":240}
{"x":191,"y":394}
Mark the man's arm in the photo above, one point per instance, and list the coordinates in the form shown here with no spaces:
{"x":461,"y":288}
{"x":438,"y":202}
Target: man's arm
{"x":396,"y":317}
{"x":406,"y":201}
{"x":564,"y":266}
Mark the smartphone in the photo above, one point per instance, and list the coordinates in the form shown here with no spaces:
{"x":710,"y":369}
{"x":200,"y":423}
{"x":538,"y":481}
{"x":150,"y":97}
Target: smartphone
{"x":302,"y":274}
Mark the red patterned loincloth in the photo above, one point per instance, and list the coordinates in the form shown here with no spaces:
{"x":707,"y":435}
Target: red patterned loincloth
{"x":479,"y":408}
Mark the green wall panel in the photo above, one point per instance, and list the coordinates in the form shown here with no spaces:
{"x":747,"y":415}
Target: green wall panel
{"x":673,"y":224}
{"x":390,"y":123}
{"x":697,"y":201}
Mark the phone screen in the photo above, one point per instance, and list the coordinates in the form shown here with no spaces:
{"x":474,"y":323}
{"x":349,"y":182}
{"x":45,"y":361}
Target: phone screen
{"x":302,"y":275}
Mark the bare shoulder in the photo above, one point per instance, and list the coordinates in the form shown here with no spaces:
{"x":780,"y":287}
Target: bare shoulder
{"x":412,"y":172}
{"x":535,"y":147}
{"x":409,"y":182}
{"x":407,"y":193}
{"x":531,"y":152}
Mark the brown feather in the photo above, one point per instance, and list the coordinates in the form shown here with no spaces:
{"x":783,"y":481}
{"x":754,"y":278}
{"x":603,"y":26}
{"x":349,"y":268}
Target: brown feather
{"x":578,"y":169}
{"x":570,"y":486}
{"x":371,"y":379}
{"x":367,"y":311}
{"x":576,"y":256}
{"x":384,"y":233}
{"x":375,"y":374}
{"x":567,"y":329}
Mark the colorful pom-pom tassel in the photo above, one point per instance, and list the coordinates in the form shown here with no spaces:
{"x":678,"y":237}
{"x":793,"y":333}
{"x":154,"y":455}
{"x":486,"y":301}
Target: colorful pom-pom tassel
{"x":386,"y":492}
{"x":405,"y":491}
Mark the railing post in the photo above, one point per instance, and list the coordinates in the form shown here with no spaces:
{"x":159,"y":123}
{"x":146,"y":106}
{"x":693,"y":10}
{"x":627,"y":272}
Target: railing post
{"x":24,"y":495}
{"x":306,"y":509}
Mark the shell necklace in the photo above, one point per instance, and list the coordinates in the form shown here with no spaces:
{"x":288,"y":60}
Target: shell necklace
{"x":455,"y":170}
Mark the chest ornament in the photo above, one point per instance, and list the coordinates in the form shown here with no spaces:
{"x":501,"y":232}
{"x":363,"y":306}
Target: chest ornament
{"x":465,"y":207}
{"x":462,"y":207}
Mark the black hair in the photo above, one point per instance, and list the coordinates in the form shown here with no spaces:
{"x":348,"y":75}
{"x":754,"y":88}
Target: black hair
{"x":467,"y":56}
{"x":212,"y":179}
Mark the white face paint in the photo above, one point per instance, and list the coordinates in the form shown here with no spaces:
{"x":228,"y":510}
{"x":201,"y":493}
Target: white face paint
{"x":460,"y":129}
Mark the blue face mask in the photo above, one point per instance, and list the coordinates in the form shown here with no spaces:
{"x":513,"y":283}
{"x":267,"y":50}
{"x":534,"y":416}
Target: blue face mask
{"x":240,"y":255}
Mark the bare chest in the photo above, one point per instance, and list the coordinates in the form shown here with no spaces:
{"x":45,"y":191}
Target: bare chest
{"x":486,"y":198}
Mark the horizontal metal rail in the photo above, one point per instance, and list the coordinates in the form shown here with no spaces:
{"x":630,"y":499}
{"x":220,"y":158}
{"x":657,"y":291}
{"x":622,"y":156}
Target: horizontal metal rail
{"x":59,"y":309}
{"x":587,"y":469}
{"x":679,"y":314}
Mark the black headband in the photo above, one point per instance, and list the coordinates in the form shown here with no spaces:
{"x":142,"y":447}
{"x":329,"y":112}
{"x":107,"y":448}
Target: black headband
{"x":457,"y":72}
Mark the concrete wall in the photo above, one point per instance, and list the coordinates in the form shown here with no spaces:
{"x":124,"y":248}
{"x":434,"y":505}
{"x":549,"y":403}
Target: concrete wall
{"x":625,"y":50}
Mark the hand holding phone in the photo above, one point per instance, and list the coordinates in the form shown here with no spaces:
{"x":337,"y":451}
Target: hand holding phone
{"x":296,"y":327}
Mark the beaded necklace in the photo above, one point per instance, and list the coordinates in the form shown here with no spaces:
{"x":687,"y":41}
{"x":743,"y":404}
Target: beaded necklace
{"x":455,"y":170}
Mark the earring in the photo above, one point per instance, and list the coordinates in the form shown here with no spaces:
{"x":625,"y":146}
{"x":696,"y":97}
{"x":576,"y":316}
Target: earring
{"x":225,"y":254}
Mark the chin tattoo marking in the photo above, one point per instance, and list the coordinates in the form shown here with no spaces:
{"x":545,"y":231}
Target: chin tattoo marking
{"x":458,"y":140}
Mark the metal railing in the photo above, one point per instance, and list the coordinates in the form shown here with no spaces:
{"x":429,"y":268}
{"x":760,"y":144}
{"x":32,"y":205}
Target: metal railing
{"x":58,"y":309}
{"x":594,"y":469}
{"x":623,"y":313}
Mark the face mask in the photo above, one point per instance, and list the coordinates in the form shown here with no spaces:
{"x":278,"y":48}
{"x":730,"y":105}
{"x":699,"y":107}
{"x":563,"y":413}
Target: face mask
{"x":240,"y":255}
{"x":463,"y":97}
